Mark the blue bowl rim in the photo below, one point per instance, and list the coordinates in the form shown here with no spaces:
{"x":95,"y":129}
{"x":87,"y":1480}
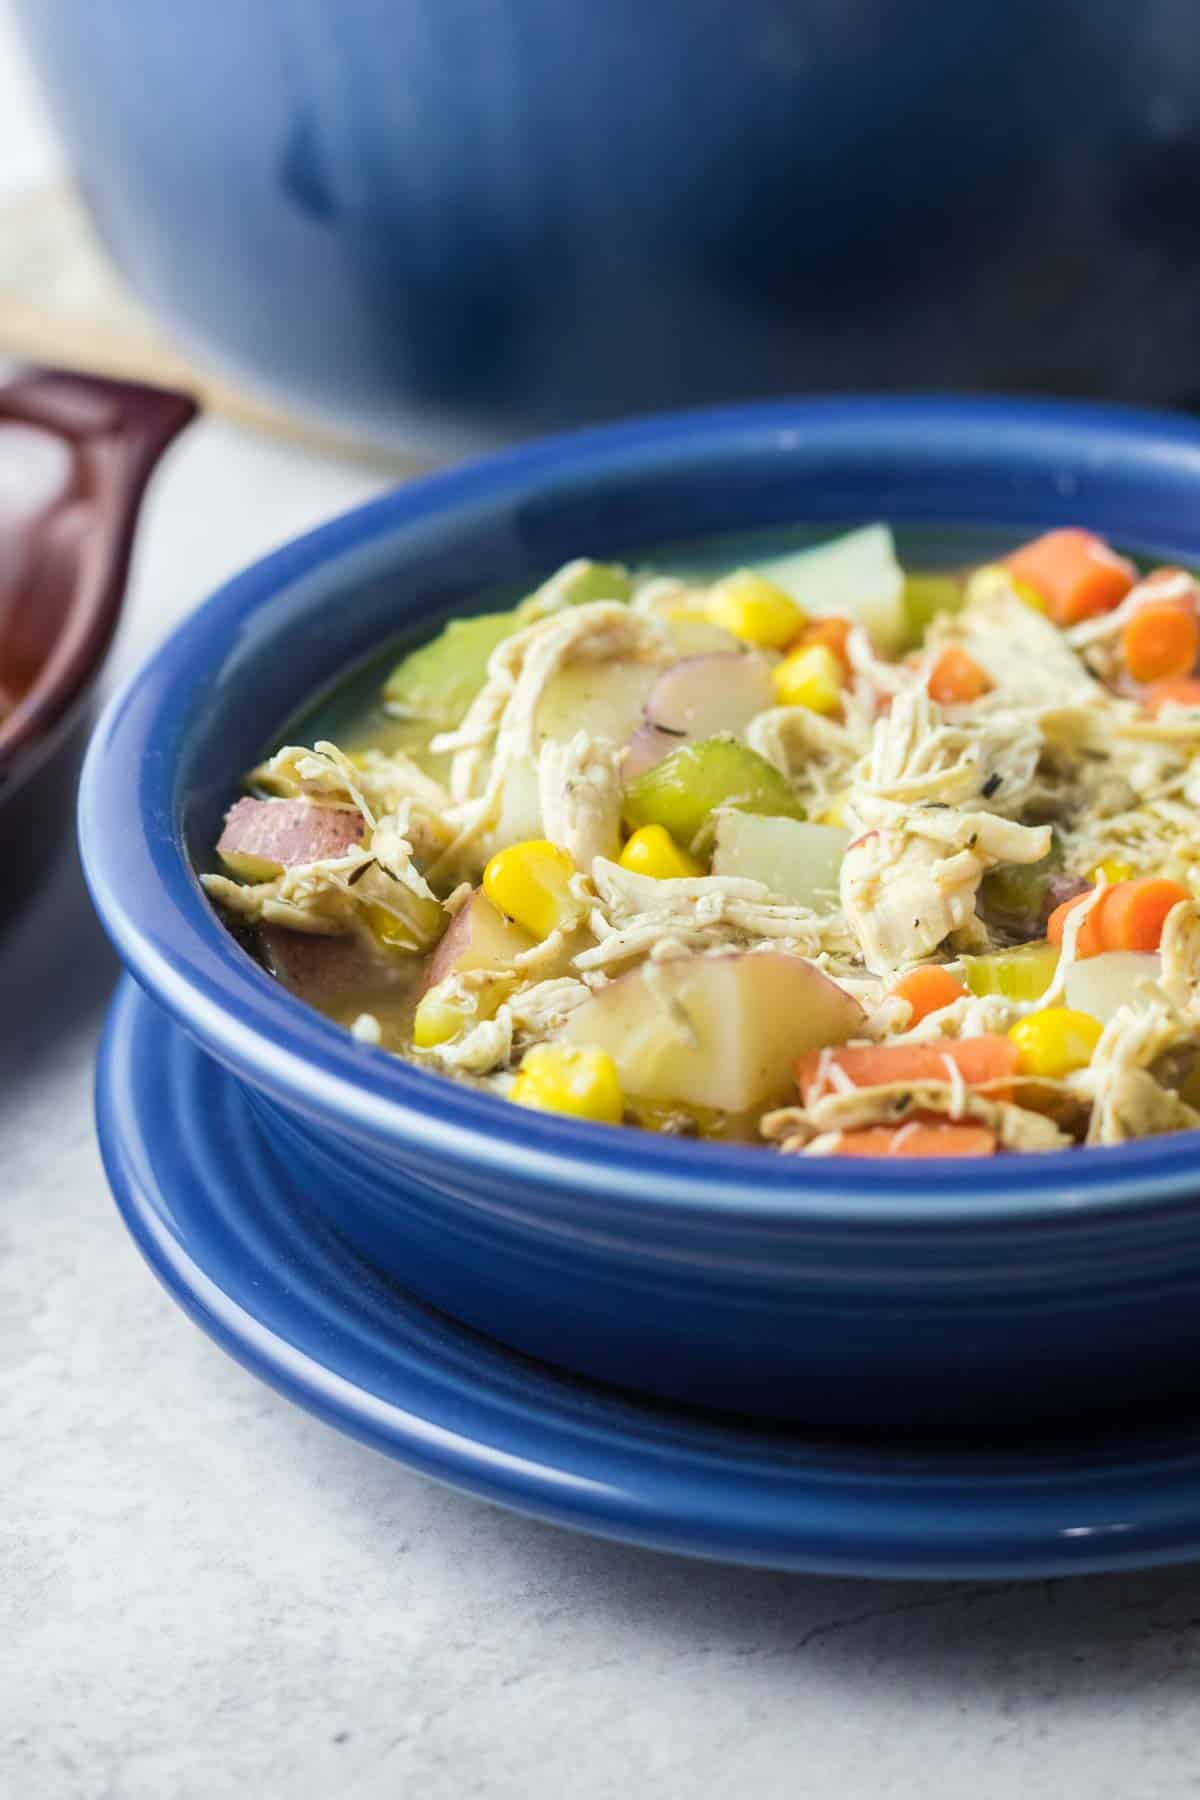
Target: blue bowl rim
{"x":131,"y":842}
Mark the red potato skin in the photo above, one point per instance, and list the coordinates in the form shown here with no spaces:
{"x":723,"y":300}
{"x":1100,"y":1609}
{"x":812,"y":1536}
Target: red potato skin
{"x":456,"y":940}
{"x":649,"y":746}
{"x":289,"y":832}
{"x":681,"y":697}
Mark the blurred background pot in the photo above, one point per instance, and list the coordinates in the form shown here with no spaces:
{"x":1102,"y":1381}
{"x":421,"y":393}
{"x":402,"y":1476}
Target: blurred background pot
{"x":445,"y":221}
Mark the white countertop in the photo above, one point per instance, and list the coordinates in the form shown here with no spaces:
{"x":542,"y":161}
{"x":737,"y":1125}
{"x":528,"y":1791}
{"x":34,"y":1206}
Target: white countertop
{"x":205,"y":1594}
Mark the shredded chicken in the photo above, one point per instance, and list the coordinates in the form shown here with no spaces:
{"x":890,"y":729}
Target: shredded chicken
{"x":1056,"y":767}
{"x":909,"y":883}
{"x":814,"y":1129}
{"x":500,"y":729}
{"x":579,"y":788}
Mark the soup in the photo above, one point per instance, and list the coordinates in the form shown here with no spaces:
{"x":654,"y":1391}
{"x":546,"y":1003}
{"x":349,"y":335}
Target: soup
{"x":827,"y":849}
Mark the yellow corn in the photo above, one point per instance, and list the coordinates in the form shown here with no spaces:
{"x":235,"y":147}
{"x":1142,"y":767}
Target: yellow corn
{"x":530,"y":883}
{"x":1112,"y":869}
{"x":1028,"y":596}
{"x":812,"y":677}
{"x":583,"y":1083}
{"x":448,"y":1008}
{"x":1055,"y":1042}
{"x":653,"y":851}
{"x":394,"y":933}
{"x":993,"y":578}
{"x":755,"y":610}
{"x":834,"y":815}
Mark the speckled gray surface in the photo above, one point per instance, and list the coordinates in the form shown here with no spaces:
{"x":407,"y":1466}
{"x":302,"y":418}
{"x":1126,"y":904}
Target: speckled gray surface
{"x":206,"y":1594}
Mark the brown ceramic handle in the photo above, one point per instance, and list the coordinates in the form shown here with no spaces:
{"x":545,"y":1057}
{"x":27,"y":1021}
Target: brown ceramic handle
{"x":76,"y":452}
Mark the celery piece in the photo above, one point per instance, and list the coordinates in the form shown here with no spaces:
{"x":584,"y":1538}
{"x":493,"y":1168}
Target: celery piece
{"x":440,"y":680}
{"x":575,"y":584}
{"x":925,"y":597}
{"x":1021,"y":974}
{"x":1016,"y":890}
{"x":682,"y":792}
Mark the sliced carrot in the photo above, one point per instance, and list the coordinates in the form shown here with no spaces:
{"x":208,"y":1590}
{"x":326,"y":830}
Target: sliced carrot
{"x":1090,"y":941}
{"x":833,"y":632}
{"x":956,"y":678}
{"x":1160,"y":642}
{"x":927,"y":990}
{"x":978,"y":1059}
{"x":1171,"y":693}
{"x":917,"y":1139}
{"x":1129,"y":915}
{"x":1136,"y":911}
{"x":1074,"y":571}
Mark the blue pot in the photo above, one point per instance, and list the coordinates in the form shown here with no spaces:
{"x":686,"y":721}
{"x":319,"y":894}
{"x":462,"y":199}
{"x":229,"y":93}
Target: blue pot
{"x":832,"y":1290}
{"x":446,"y":219}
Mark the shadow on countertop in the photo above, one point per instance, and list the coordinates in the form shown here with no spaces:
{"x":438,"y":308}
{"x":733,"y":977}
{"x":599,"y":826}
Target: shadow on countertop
{"x":56,"y":970}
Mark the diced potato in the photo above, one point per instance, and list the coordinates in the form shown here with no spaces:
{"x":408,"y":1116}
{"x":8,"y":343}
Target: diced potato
{"x":479,"y":937}
{"x":1021,"y":974}
{"x":797,"y":861}
{"x":1099,"y":985}
{"x":696,"y":698}
{"x":684,"y":790}
{"x":262,"y":838}
{"x":856,"y":575}
{"x":605,"y":699}
{"x":694,"y":634}
{"x":439,"y":681}
{"x":720,"y":1031}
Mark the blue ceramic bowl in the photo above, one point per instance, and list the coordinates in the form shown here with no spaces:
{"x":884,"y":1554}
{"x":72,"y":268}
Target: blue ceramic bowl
{"x":925,"y":1295}
{"x":487,"y":217}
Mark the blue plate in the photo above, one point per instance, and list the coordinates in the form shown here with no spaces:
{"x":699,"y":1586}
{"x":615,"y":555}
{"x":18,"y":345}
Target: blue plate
{"x":211,"y":1206}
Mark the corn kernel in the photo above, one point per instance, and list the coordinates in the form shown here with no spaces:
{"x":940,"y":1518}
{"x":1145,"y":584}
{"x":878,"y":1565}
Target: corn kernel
{"x":755,"y":610}
{"x":1029,"y":596}
{"x":581,"y":1082}
{"x":530,"y":884}
{"x":395,"y":933}
{"x":653,"y":851}
{"x":1112,"y":869}
{"x":448,"y":1008}
{"x":1055,"y":1042}
{"x":811,"y":677}
{"x":835,"y":814}
{"x":994,"y":578}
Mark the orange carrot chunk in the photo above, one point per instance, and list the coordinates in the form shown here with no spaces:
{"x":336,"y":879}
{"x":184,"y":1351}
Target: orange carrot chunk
{"x":1129,"y":915}
{"x":1075,"y":572}
{"x":927,"y":990}
{"x":1136,"y":911}
{"x":1090,"y":941}
{"x":990,"y":1058}
{"x":833,"y":633}
{"x":917,"y":1139}
{"x":1171,"y":693}
{"x":1160,"y":642}
{"x":956,"y":678}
